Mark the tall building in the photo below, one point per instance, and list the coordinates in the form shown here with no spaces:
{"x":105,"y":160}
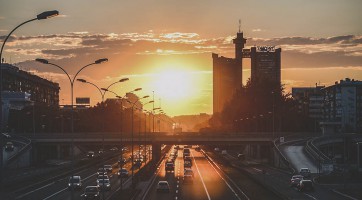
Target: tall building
{"x":310,"y":101}
{"x":265,"y":63}
{"x":227,"y":74}
{"x":343,"y":107}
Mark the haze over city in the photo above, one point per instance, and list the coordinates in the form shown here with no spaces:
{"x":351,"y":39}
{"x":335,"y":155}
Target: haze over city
{"x":165,"y":46}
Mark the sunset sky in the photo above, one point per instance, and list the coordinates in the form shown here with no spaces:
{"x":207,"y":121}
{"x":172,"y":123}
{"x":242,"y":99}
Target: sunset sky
{"x":165,"y":46}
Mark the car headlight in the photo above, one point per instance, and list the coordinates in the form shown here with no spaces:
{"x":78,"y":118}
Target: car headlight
{"x":96,"y":195}
{"x":78,"y":184}
{"x":85,"y":195}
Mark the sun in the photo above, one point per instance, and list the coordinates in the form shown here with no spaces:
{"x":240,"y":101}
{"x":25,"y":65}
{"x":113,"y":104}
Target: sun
{"x":174,"y":84}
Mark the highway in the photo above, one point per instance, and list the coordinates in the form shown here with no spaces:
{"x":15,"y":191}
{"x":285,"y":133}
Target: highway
{"x":208,"y":182}
{"x":58,"y":189}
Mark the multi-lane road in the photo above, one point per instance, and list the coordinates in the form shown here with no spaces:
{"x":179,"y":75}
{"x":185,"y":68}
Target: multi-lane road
{"x":208,"y":182}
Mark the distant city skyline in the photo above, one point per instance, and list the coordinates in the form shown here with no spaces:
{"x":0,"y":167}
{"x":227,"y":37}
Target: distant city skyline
{"x":165,"y":46}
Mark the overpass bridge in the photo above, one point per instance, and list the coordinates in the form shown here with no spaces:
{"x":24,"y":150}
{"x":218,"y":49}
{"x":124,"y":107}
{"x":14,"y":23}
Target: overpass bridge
{"x":59,"y":145}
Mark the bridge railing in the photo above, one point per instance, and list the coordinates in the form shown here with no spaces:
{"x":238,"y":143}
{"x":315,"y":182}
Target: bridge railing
{"x":27,"y":145}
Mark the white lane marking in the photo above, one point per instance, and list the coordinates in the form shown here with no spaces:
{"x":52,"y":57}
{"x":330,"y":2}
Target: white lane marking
{"x":225,"y":181}
{"x":55,"y":194}
{"x":202,"y":180}
{"x":66,"y":188}
{"x":226,"y":176}
{"x":310,"y":196}
{"x":26,"y":194}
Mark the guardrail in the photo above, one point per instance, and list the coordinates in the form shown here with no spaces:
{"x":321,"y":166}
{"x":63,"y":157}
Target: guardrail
{"x":284,"y":159}
{"x":26,"y":147}
{"x":314,"y":152}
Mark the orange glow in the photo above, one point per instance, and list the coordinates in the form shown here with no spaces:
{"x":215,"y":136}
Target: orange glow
{"x":174,"y":84}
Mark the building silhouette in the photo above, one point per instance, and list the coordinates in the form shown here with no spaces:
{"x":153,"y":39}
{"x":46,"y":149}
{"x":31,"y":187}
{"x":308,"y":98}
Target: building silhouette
{"x":265,"y":64}
{"x":227,"y":74}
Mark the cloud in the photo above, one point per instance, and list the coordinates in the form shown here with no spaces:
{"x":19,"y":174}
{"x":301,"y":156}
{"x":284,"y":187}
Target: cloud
{"x":308,"y":52}
{"x":256,"y":30}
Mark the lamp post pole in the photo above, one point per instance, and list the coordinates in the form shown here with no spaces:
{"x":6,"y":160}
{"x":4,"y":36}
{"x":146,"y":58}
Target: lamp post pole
{"x":43,"y":15}
{"x":132,"y":146}
{"x":99,"y":61}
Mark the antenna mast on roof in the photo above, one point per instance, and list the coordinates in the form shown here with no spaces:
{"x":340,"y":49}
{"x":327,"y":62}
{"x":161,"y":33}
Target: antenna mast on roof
{"x":239,"y":25}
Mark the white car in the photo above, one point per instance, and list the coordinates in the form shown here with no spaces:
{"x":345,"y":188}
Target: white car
{"x":108,"y":168}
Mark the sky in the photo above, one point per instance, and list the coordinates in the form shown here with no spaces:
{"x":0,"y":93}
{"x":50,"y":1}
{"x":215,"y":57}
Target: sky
{"x":165,"y":46}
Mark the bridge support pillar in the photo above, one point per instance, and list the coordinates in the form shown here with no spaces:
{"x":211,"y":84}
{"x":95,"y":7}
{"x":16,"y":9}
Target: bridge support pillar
{"x":156,"y":151}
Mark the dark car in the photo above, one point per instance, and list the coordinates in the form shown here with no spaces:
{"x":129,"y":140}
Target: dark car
{"x":294,"y":181}
{"x":187,"y":164}
{"x":122,"y":172}
{"x":75,"y":182}
{"x":90,"y":154}
{"x":122,"y":161}
{"x":169,"y":166}
{"x":188,"y":158}
{"x":91,"y":192}
{"x":9,"y":146}
{"x":305,"y":185}
{"x":163,"y":186}
{"x":104,"y":184}
{"x":198,"y":148}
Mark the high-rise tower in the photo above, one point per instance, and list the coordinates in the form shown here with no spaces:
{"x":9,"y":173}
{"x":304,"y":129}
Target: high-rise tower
{"x":227,"y":74}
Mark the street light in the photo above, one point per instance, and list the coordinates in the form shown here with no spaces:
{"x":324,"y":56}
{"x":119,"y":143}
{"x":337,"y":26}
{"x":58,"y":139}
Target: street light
{"x":43,"y":15}
{"x":133,"y":104}
{"x":152,"y":101}
{"x":99,"y":61}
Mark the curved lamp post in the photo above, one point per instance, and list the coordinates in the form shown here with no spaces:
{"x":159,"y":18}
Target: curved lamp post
{"x":121,"y":131}
{"x":99,"y":61}
{"x":133,"y":104}
{"x":43,"y":15}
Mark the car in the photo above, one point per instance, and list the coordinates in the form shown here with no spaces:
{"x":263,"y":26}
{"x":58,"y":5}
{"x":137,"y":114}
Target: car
{"x":101,"y":151}
{"x":169,"y":166}
{"x":114,"y":149}
{"x":294,"y":181}
{"x":188,"y":178}
{"x":305,"y":172}
{"x":122,"y":161}
{"x":217,"y":149}
{"x":75,"y":182}
{"x":186,"y":152}
{"x":102,"y":177}
{"x":9,"y":146}
{"x":137,"y":163}
{"x":188,"y":171}
{"x":91,"y":192}
{"x":188,"y":146}
{"x":108,"y":168}
{"x":188,"y":158}
{"x":104,"y":184}
{"x":177,"y":147}
{"x":198,"y":148}
{"x":90,"y":154}
{"x":163,"y":186}
{"x":224,"y":152}
{"x":124,"y":149}
{"x":102,"y":171}
{"x":305,"y":185}
{"x":123,"y":172}
{"x":187,"y":164}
